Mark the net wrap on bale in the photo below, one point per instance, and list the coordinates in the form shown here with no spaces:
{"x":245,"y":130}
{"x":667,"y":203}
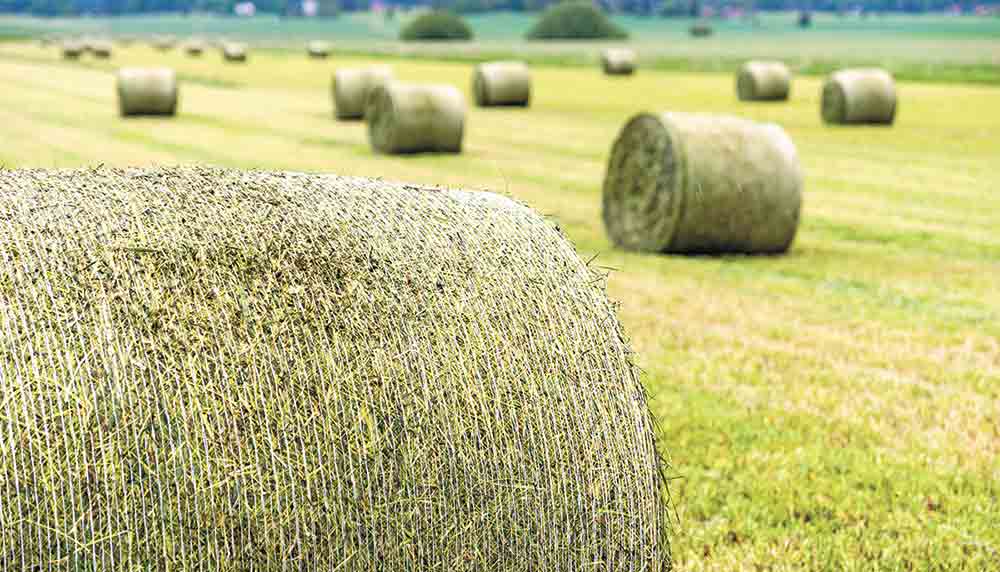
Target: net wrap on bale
{"x":413,"y":118}
{"x":859,"y":96}
{"x":147,"y":91}
{"x":618,"y":61}
{"x":352,"y":88}
{"x":702,"y":183}
{"x":502,"y":83}
{"x":225,"y":370}
{"x":763,"y":81}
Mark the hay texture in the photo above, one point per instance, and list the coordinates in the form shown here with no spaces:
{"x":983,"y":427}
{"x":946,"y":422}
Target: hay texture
{"x":859,"y":96}
{"x":763,"y":81}
{"x":220,"y":370}
{"x":415,"y":118}
{"x":618,"y":61}
{"x":352,"y":88}
{"x":234,"y":52}
{"x":73,"y":49}
{"x":502,"y":83}
{"x":147,"y":91}
{"x":317,"y":49}
{"x":693,"y":183}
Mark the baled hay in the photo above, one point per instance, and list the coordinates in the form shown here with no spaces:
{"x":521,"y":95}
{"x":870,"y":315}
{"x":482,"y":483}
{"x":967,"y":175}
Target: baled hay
{"x":73,"y":49}
{"x":221,"y":370}
{"x":126,"y":40}
{"x":100,"y":48}
{"x":763,"y":81}
{"x":502,"y":83}
{"x":147,"y":91}
{"x":164,"y":43}
{"x":859,"y":96}
{"x":352,"y":88}
{"x":693,"y":183}
{"x":413,"y":118}
{"x":194,"y":47}
{"x":318,"y":49}
{"x":618,"y":61}
{"x":234,"y":52}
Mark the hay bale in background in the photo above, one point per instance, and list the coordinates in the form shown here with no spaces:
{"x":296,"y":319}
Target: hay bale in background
{"x":147,"y":91}
{"x":317,"y":49}
{"x":352,"y":88}
{"x":267,"y":371}
{"x":701,"y":30}
{"x":413,"y":118}
{"x":73,"y":49}
{"x":618,"y":61}
{"x":164,"y":42}
{"x":859,"y":96}
{"x":502,"y":83}
{"x":194,"y":47}
{"x":693,"y":183}
{"x":125,"y":40}
{"x":100,"y":48}
{"x":763,"y":81}
{"x":234,"y":52}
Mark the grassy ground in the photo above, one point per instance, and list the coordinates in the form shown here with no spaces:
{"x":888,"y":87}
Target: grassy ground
{"x":837,"y":408}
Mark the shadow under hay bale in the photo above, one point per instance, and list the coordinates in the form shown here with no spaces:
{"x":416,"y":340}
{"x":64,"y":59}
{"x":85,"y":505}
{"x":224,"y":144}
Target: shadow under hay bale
{"x":763,"y":81}
{"x":224,"y":370}
{"x":234,"y":52}
{"x":352,"y":89}
{"x":702,"y":184}
{"x":147,"y":91}
{"x":618,"y":61}
{"x":416,"y":118}
{"x":502,"y":84}
{"x":859,"y":96}
{"x":317,"y":49}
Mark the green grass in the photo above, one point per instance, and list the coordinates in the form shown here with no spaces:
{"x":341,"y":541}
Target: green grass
{"x":837,"y":408}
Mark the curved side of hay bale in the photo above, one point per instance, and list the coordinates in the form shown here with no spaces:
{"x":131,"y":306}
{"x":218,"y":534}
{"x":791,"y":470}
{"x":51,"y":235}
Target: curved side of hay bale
{"x":618,"y":61}
{"x":72,"y":50}
{"x":763,"y":81}
{"x":859,"y":96}
{"x":318,"y":49}
{"x":352,"y":88}
{"x":248,"y":370}
{"x":234,"y":52}
{"x":147,"y":91}
{"x":502,"y":83}
{"x":414,"y":118}
{"x":693,"y":183}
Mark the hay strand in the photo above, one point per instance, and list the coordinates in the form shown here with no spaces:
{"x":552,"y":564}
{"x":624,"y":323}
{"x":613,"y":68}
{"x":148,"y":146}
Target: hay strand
{"x":352,"y":88}
{"x":502,"y":84}
{"x":414,"y":118}
{"x":763,"y":81}
{"x":147,"y":91}
{"x":864,"y":95}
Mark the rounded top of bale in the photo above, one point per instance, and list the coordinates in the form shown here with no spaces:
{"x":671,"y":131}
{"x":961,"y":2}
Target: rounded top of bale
{"x":265,"y":367}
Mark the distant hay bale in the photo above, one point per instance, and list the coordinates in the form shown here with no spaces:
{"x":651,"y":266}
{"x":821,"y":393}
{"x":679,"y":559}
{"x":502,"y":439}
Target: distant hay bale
{"x":224,"y":370}
{"x":352,"y":88}
{"x":234,"y":52}
{"x":125,"y":40}
{"x":502,"y":83}
{"x":164,"y":42}
{"x":859,"y":96}
{"x":701,"y":30}
{"x":147,"y":91}
{"x":763,"y":81}
{"x":100,"y":48}
{"x":317,"y":49}
{"x":693,"y":183}
{"x":618,"y":61}
{"x":413,"y":118}
{"x":73,"y":49}
{"x":194,"y":47}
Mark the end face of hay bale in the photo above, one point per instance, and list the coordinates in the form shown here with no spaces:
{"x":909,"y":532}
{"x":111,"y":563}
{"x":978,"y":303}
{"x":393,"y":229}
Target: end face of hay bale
{"x":147,"y":91}
{"x":618,"y":61}
{"x":272,"y":371}
{"x":234,"y":52}
{"x":416,"y":118}
{"x":502,"y":83}
{"x":692,"y":183}
{"x":859,"y":96}
{"x":352,"y":89}
{"x":317,"y":49}
{"x":763,"y":81}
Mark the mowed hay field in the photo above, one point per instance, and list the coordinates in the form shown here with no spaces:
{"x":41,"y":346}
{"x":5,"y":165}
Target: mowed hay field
{"x":837,"y":408}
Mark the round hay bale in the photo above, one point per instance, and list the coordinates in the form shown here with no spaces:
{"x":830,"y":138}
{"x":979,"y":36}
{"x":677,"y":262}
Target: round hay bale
{"x":224,"y":370}
{"x":147,"y":91}
{"x":126,"y":40}
{"x":618,"y":61}
{"x":859,"y":96}
{"x":73,"y":49}
{"x":317,"y":49}
{"x":194,"y":47}
{"x":100,"y":48}
{"x":234,"y":52}
{"x":352,"y":88}
{"x":701,"y":30}
{"x":502,"y":83}
{"x":414,"y":118}
{"x":164,"y":43}
{"x":693,"y":184}
{"x":763,"y":81}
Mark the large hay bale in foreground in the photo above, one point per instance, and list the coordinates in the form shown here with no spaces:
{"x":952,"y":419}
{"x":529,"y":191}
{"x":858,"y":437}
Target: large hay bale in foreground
{"x":693,"y":183}
{"x":234,"y":52}
{"x":502,"y":83}
{"x":147,"y":91}
{"x":414,"y":118}
{"x":352,"y":89}
{"x":859,"y":96}
{"x":222,"y":370}
{"x":317,"y":49}
{"x":763,"y":81}
{"x":618,"y":61}
{"x":73,"y":49}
